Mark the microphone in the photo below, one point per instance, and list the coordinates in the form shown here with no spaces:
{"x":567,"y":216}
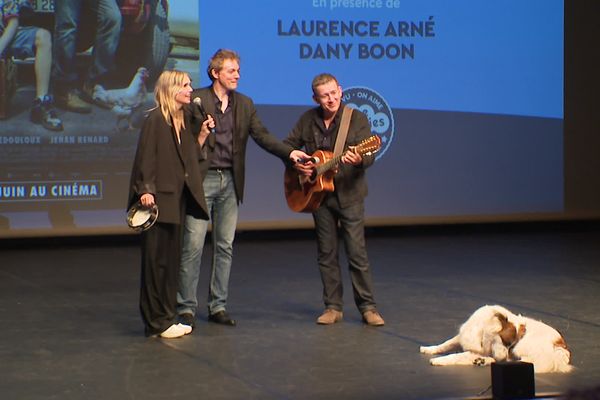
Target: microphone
{"x":198,"y":102}
{"x":314,"y":160}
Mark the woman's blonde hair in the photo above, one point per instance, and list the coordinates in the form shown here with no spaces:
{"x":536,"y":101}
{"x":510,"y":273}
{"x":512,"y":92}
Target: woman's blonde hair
{"x":170,"y":83}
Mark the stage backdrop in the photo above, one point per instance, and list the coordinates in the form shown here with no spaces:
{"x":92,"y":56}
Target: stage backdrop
{"x":467,"y":97}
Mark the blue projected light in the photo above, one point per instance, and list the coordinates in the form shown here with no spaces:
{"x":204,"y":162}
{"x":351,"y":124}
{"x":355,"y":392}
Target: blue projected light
{"x":465,"y":95}
{"x":503,"y":57}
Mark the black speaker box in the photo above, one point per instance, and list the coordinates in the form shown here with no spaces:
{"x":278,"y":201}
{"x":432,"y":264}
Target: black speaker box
{"x":513,"y":380}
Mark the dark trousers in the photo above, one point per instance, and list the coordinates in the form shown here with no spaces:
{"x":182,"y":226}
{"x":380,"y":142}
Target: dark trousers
{"x":161,"y":255}
{"x":351,"y":223}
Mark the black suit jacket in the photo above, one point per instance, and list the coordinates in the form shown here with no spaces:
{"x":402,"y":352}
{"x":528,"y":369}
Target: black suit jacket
{"x":350,"y":181}
{"x":164,"y":167}
{"x":246,"y":124}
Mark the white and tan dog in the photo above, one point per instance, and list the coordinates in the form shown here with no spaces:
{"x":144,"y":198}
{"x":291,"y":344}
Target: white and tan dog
{"x":492,"y":333}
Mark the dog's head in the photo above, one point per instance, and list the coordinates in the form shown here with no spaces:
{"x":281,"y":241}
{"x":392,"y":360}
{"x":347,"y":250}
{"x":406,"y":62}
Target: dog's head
{"x":510,"y":333}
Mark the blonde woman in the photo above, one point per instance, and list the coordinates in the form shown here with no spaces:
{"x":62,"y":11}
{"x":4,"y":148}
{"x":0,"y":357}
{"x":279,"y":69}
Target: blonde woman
{"x":166,"y":172}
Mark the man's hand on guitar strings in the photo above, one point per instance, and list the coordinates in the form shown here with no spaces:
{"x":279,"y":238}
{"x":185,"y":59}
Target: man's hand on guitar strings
{"x":304,"y":168}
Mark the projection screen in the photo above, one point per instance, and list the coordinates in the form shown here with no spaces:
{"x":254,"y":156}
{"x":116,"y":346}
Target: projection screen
{"x":467,"y":97}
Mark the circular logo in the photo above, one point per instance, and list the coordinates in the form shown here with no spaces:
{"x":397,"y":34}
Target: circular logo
{"x":374,"y":106}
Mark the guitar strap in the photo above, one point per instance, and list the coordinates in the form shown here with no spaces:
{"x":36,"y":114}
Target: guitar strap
{"x":340,"y":141}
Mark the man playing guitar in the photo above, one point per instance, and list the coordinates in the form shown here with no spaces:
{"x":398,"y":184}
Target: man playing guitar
{"x":317,"y":129}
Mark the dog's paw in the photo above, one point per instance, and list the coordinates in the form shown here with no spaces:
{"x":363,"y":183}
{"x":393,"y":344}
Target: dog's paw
{"x":483,"y":361}
{"x":479,"y":361}
{"x":427,"y":349}
{"x":437,"y":361}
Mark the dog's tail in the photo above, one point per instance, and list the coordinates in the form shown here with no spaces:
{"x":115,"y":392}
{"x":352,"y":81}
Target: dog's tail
{"x":562,"y":356}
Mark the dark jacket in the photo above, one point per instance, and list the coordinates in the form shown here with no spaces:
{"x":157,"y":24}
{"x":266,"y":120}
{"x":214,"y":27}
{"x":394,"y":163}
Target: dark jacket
{"x":246,"y":123}
{"x":350,"y":181}
{"x":163,"y":168}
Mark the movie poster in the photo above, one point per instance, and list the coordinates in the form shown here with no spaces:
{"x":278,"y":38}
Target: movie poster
{"x":74,"y":178}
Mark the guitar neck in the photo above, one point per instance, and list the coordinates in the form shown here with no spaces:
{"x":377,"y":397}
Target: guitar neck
{"x":326,"y":166}
{"x":368,"y":146}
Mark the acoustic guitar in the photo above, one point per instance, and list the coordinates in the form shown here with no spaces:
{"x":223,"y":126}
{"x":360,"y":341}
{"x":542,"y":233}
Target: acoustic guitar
{"x":305,"y":193}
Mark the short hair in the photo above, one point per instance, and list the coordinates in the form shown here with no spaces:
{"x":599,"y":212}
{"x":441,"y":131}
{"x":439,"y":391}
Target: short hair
{"x":322,"y":79}
{"x":217,"y":60}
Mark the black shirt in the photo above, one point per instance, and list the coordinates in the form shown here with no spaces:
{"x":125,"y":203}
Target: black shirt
{"x":223,"y":154}
{"x":324,"y":136}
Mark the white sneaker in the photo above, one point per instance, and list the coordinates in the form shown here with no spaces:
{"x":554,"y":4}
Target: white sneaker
{"x":187,"y":328}
{"x":174,"y":331}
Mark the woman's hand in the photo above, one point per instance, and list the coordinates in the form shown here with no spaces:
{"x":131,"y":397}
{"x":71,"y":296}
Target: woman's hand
{"x":147,"y":200}
{"x":205,"y":129}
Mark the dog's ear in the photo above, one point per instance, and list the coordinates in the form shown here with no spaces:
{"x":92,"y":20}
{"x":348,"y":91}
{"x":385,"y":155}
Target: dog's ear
{"x":521,"y":332}
{"x":508,"y":333}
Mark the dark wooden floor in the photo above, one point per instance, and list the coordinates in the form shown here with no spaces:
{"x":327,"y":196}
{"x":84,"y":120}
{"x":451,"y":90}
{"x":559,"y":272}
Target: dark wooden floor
{"x":70,"y":327}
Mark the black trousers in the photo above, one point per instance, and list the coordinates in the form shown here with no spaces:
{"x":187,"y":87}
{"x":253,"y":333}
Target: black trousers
{"x":161,"y":256}
{"x":351,"y":225}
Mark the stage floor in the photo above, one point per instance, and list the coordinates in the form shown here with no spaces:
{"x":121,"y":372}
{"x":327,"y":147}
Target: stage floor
{"x":70,"y":326}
